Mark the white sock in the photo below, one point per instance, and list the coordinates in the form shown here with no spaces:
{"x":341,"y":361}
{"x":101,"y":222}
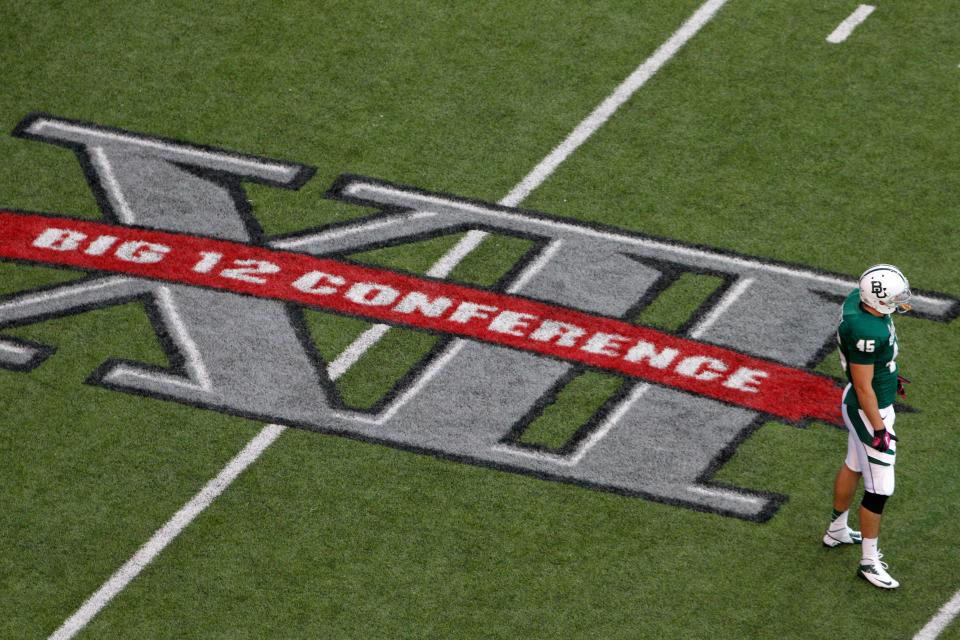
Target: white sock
{"x":840,"y":522}
{"x":869,"y":549}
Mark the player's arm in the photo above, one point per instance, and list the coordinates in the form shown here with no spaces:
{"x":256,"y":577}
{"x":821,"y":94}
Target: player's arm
{"x":862,"y":375}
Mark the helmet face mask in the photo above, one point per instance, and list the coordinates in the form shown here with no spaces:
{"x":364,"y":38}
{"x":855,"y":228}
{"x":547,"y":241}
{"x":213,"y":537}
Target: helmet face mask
{"x":885,"y":289}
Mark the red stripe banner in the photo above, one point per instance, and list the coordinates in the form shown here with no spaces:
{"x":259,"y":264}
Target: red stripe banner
{"x":400,"y":299}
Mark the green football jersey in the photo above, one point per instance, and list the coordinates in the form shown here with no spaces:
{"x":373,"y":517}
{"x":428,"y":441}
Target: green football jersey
{"x":863,"y":338}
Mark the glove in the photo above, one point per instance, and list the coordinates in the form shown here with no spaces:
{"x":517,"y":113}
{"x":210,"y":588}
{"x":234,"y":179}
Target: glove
{"x":901,"y":389}
{"x":881,"y":440}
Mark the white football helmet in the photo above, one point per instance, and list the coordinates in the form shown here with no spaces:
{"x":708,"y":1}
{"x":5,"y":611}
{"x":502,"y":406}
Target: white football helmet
{"x":884,"y":288}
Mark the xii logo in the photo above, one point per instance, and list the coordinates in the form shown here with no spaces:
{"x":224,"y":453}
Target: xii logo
{"x":686,"y":403}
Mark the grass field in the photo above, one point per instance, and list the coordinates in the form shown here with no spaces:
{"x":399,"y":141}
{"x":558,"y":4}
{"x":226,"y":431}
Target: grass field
{"x":758,"y":137}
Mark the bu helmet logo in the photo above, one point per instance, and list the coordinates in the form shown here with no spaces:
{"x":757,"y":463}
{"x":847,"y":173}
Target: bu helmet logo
{"x":684,"y":405}
{"x":876,"y":287}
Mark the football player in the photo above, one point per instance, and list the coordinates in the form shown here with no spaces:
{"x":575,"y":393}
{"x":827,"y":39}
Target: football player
{"x":867,"y":341}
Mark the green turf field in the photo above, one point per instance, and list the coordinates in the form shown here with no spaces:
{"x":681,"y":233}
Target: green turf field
{"x":758,"y":137}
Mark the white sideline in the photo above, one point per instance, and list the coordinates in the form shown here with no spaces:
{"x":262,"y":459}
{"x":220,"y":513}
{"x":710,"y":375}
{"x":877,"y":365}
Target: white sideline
{"x":119,"y":580}
{"x":940,"y":621}
{"x":845,"y":28}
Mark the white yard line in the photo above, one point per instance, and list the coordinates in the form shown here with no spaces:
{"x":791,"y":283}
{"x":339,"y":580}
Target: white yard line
{"x":349,"y":356}
{"x":299,"y":242}
{"x":362,"y":189}
{"x":940,"y":621}
{"x":456,"y":254}
{"x":562,"y":151}
{"x":613,"y":102}
{"x":638,"y":392}
{"x":165,"y":534}
{"x":845,"y":28}
{"x":536,"y":266}
{"x":119,"y":580}
{"x":573,"y":459}
{"x":721,"y":307}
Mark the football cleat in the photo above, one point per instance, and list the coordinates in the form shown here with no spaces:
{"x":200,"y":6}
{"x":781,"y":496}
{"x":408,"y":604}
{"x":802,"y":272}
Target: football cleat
{"x":837,"y":537}
{"x":875,"y":572}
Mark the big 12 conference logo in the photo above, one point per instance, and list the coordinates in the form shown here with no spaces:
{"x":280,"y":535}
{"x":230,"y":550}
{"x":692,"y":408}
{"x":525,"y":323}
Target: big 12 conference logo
{"x":179,"y":236}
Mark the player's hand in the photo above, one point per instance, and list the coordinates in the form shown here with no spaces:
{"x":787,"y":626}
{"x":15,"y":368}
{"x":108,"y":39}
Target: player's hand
{"x":901,"y":388}
{"x":881,"y":440}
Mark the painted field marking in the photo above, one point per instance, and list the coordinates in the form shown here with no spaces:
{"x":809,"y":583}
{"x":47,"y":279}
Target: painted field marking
{"x":638,"y":392}
{"x":845,"y":28}
{"x":166,"y":534}
{"x":285,"y":171}
{"x":613,"y":102}
{"x":555,"y":158}
{"x":721,"y":307}
{"x":573,"y":458}
{"x":373,"y":190}
{"x":940,"y":621}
